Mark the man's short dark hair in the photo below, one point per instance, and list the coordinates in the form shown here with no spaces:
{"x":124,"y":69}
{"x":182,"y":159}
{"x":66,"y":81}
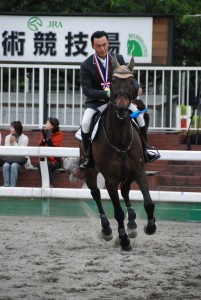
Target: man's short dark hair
{"x":98,"y":34}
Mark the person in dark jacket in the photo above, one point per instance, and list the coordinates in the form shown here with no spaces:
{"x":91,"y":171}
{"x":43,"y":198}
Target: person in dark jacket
{"x":95,"y":76}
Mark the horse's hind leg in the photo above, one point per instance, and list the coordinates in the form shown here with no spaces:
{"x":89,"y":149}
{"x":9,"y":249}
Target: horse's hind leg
{"x":91,"y":182}
{"x":131,"y":225}
{"x":149,"y":206}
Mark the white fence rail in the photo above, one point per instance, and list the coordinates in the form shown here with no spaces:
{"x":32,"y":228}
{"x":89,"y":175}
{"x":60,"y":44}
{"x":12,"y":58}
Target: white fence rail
{"x":46,"y":192}
{"x":31,"y":93}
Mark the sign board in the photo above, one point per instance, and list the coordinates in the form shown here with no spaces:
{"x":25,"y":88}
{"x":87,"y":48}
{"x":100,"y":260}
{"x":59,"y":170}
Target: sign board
{"x":66,"y":39}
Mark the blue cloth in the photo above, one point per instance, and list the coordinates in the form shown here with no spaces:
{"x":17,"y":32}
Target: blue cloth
{"x":136,"y":113}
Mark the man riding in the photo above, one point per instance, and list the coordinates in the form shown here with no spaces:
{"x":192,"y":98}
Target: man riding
{"x":95,"y":75}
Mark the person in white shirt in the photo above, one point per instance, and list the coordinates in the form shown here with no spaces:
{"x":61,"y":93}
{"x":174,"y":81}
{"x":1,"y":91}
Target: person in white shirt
{"x":15,"y":138}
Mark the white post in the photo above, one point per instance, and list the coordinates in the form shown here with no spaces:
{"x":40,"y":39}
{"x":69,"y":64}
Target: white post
{"x":183,"y":88}
{"x":44,"y":172}
{"x":41,"y":96}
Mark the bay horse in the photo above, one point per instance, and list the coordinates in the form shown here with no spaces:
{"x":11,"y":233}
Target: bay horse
{"x":118,"y":156}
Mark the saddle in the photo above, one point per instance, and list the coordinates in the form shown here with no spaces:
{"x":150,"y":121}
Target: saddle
{"x":95,"y":125}
{"x":97,"y":121}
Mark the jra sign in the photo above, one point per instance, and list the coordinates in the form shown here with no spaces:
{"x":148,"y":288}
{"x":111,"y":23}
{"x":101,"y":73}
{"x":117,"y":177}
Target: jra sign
{"x":67,"y":39}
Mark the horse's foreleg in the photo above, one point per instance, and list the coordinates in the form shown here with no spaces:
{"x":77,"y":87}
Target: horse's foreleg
{"x":105,"y":224}
{"x":95,"y":192}
{"x":119,"y":216}
{"x":151,"y":225}
{"x":149,"y":206}
{"x":131,"y":225}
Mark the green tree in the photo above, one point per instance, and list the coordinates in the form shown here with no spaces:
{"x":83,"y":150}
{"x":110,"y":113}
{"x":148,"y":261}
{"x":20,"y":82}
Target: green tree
{"x":187,"y":13}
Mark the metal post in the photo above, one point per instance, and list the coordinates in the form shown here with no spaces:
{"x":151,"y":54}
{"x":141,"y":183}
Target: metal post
{"x":41,"y":96}
{"x":45,"y":116}
{"x":168,"y":100}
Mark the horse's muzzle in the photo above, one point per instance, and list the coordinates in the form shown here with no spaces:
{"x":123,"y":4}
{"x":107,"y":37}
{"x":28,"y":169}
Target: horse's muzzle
{"x":122,"y":107}
{"x":122,"y":112}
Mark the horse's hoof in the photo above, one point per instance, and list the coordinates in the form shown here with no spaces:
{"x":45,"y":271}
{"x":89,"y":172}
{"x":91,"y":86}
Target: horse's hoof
{"x":150,"y":230}
{"x":131,"y":229}
{"x":126,"y":248}
{"x":132,"y":225}
{"x":107,"y":234}
{"x":132,"y":233}
{"x":125,"y":243}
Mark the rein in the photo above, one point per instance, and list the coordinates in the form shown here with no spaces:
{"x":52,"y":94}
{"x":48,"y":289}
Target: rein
{"x":124,"y":94}
{"x":114,"y":95}
{"x":122,"y":152}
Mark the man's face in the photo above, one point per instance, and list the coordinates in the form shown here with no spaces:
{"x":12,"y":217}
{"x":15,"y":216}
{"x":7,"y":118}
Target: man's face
{"x":101,"y":45}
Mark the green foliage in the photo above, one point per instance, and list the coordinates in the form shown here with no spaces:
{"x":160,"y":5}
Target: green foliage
{"x":187,"y":33}
{"x":183,"y":109}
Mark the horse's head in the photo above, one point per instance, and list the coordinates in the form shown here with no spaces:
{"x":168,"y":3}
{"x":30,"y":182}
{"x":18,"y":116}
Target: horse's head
{"x":122,"y":87}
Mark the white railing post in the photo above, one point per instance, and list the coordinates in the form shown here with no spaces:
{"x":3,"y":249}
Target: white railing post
{"x":44,"y":172}
{"x":41,"y":96}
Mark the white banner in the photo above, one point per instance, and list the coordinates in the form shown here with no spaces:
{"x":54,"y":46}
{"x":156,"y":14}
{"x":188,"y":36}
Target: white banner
{"x":66,"y":39}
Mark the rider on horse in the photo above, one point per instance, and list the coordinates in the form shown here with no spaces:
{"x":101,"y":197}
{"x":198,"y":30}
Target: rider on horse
{"x":96,"y":73}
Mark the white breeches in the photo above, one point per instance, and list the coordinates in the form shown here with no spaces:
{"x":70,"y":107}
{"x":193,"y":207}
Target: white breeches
{"x":89,"y":112}
{"x":140,"y":118}
{"x":87,"y":117}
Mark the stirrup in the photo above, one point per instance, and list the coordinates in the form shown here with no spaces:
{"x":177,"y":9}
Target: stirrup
{"x":88,"y":165}
{"x":151,"y":154}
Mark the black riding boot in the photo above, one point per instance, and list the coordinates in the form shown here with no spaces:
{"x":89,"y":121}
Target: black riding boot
{"x":149,"y":153}
{"x":89,"y":163}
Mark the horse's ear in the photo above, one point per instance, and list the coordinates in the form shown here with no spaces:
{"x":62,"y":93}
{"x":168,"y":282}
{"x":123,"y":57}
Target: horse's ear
{"x":115,"y":62}
{"x":131,"y":64}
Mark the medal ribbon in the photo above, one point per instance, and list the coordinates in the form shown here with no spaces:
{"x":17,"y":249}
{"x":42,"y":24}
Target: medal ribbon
{"x":104,"y":77}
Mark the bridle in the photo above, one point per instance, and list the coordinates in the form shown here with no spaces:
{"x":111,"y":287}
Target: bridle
{"x":122,"y":152}
{"x":120,"y":94}
{"x":113,"y":103}
{"x":121,"y":72}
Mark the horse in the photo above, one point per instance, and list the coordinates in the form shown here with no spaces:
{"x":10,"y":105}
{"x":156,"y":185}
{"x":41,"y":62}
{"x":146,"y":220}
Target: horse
{"x":118,"y":155}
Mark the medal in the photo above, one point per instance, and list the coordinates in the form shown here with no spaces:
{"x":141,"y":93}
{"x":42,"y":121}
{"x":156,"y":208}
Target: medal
{"x":103,"y":76}
{"x":105,"y":85}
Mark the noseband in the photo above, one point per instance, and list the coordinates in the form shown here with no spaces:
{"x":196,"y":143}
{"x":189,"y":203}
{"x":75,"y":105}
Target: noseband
{"x":121,"y":95}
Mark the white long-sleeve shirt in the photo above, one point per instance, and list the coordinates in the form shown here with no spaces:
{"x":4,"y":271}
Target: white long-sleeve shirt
{"x":22,"y":141}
